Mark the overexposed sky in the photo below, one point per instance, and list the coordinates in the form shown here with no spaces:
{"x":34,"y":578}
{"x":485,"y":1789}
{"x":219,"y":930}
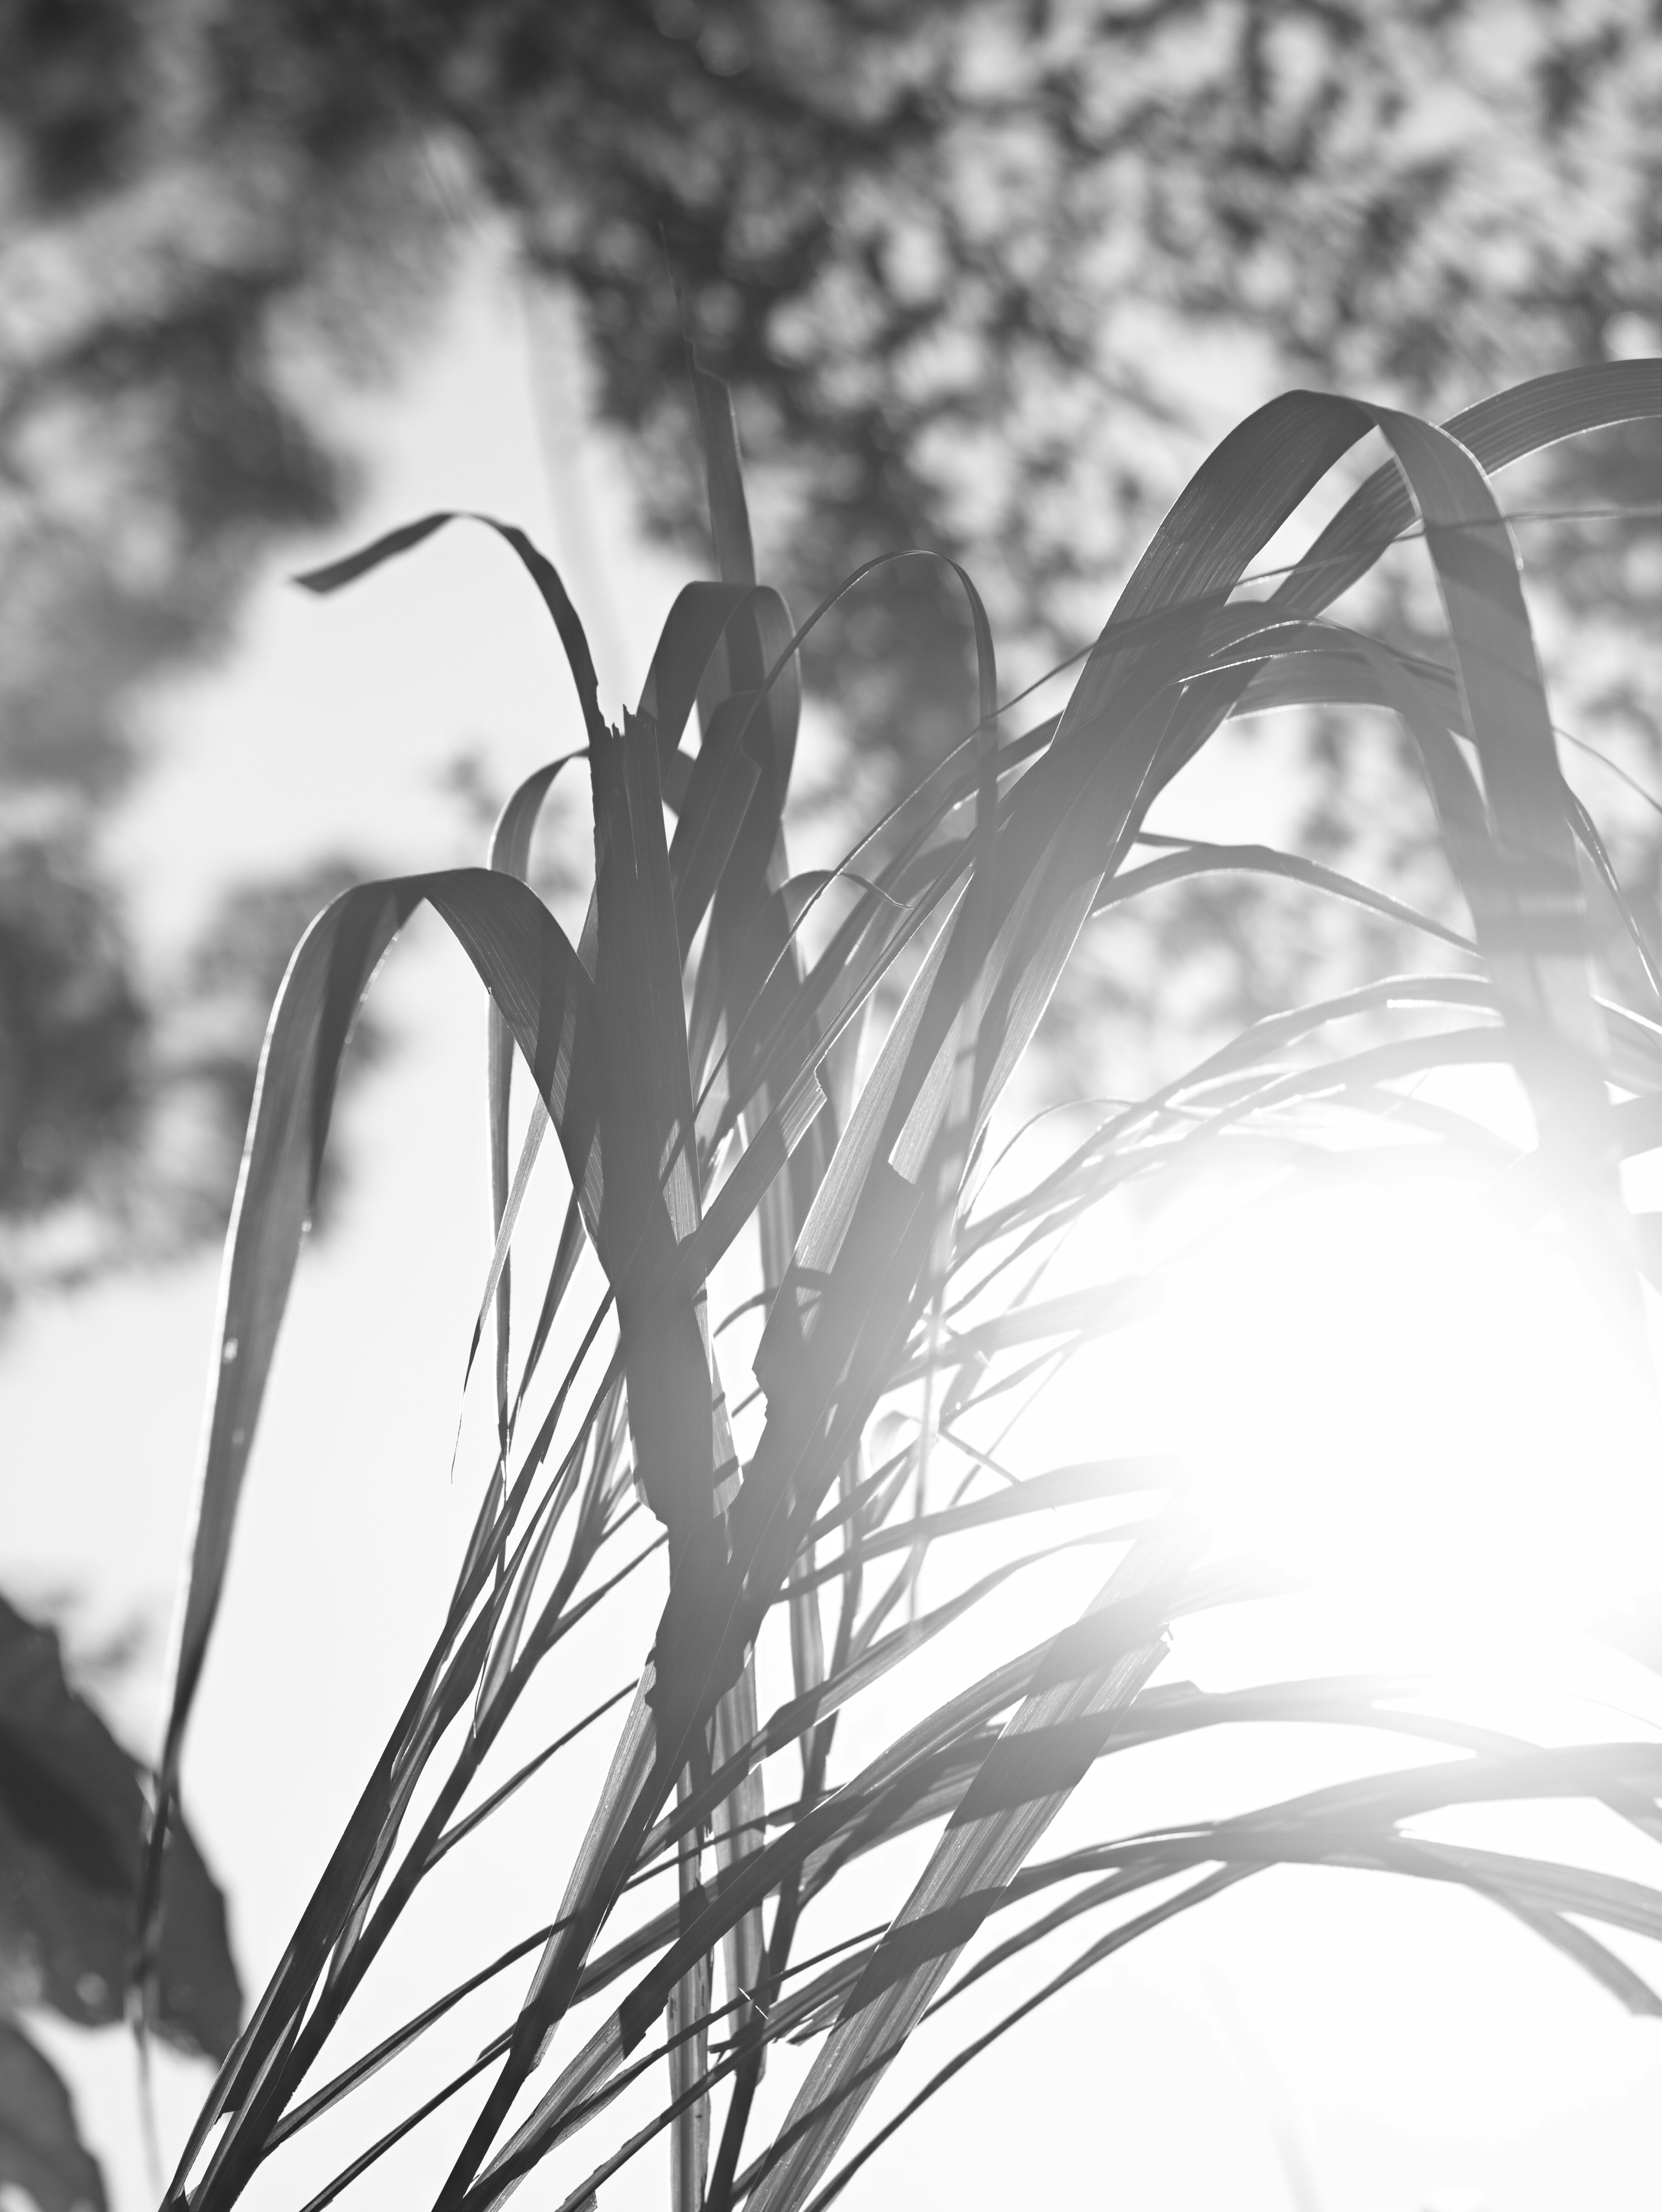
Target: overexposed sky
{"x":1427,"y":2055}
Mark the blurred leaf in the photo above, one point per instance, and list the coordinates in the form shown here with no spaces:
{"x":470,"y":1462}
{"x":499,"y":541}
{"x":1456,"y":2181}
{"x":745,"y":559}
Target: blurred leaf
{"x":71,"y":1811}
{"x":41,"y":2152}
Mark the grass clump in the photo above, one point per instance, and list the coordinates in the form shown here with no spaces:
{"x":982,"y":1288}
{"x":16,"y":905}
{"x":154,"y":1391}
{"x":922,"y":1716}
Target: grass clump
{"x":706,"y":1056}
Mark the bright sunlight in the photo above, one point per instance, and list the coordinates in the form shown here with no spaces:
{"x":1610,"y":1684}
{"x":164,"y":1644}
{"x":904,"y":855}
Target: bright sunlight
{"x":1383,"y":1388}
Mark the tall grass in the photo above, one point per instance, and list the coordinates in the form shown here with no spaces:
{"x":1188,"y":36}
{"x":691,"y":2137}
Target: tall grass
{"x":711,"y":1061}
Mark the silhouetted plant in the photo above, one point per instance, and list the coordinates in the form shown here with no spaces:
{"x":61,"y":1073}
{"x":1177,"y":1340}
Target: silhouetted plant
{"x":703,"y":1071}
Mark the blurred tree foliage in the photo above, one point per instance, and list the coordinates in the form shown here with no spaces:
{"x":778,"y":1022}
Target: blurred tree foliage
{"x":987,"y":275}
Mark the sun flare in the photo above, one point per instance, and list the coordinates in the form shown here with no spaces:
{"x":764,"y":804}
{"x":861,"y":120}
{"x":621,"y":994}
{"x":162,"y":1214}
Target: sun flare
{"x":1388,"y":1392}
{"x":1404,"y":1396}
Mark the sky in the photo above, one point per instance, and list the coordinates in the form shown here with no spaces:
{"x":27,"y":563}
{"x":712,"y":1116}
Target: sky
{"x":1312,"y":2039}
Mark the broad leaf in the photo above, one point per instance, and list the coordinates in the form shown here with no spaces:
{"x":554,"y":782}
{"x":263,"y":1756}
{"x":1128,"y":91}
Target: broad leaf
{"x":41,"y":2152}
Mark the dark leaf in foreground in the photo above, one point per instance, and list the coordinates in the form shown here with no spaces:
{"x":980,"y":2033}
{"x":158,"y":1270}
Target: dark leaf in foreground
{"x":40,"y":2153}
{"x":72,"y":1812}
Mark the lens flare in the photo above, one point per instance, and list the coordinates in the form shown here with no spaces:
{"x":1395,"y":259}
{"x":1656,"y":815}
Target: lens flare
{"x":1403,"y":1394}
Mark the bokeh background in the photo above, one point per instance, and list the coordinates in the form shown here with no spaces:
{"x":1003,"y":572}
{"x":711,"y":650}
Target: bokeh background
{"x":990,"y":277}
